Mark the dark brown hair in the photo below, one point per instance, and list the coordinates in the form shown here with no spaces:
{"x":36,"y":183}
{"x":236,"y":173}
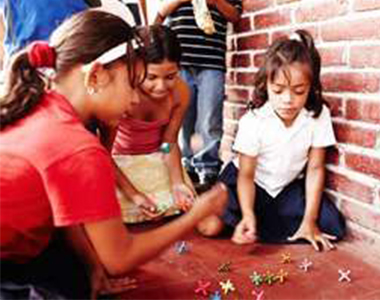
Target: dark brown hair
{"x":284,"y":52}
{"x":79,"y":40}
{"x":160,"y":43}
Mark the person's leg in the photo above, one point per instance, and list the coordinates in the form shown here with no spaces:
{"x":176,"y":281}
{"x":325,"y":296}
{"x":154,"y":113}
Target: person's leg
{"x":330,"y":219}
{"x":209,"y":123}
{"x":231,"y":215}
{"x":188,"y":124}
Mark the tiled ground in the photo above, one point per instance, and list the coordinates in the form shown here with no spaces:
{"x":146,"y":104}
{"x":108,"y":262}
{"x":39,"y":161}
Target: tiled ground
{"x":175,"y":276}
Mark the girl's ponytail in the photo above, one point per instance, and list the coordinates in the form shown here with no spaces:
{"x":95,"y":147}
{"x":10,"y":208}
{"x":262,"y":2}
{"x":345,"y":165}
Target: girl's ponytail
{"x":25,"y":83}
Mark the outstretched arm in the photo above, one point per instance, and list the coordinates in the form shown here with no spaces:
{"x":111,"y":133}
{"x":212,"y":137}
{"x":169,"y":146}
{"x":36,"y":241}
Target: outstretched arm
{"x":120,"y":252}
{"x":182,"y":193}
{"x":315,"y":176}
{"x":101,"y":283}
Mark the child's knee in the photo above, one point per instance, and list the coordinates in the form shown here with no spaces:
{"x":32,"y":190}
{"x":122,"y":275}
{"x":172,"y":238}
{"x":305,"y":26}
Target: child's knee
{"x":210,"y":226}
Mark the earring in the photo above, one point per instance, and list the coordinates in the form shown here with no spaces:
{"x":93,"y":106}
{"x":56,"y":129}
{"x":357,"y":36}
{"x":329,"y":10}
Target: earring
{"x":90,"y":90}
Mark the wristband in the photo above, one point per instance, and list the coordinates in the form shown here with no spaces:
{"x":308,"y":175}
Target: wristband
{"x":166,"y":147}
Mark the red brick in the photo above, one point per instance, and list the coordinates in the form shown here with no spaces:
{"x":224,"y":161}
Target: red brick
{"x":359,"y":29}
{"x":351,"y":82}
{"x":361,"y":5}
{"x":249,"y":5}
{"x":313,"y":11}
{"x":237,"y":94}
{"x":230,"y":129}
{"x":363,"y":110}
{"x":241,"y":60}
{"x":230,"y":77}
{"x":332,"y":56}
{"x":312,"y":29}
{"x":349,"y":134}
{"x":272,"y":19}
{"x":349,"y":187}
{"x":254,"y":41}
{"x":244,"y":25}
{"x":233,"y":112}
{"x":335,"y":106}
{"x":365,"y":216}
{"x":258,"y":60}
{"x":245,"y":78}
{"x":365,"y":56}
{"x":363,"y":164}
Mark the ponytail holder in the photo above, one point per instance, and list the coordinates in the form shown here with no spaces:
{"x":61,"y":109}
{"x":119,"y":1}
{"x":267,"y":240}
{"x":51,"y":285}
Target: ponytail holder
{"x":41,"y":55}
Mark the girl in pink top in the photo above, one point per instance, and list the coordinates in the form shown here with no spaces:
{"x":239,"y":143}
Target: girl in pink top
{"x":151,"y":179}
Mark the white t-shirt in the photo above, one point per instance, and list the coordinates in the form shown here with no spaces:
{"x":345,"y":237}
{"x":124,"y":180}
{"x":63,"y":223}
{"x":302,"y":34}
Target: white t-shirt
{"x":282,"y":152}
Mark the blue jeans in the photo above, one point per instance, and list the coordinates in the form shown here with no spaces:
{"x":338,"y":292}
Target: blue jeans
{"x":204,"y":117}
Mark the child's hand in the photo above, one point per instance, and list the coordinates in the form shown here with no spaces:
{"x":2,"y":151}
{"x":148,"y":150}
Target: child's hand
{"x":183,"y":196}
{"x":311,"y":233}
{"x":245,"y":231}
{"x":146,"y":205}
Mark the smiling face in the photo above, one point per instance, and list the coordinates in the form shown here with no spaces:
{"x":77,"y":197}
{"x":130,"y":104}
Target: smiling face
{"x":160,"y":79}
{"x":289,"y":90}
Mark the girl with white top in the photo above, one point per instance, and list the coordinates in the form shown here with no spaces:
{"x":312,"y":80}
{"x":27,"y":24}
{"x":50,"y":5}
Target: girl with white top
{"x":276,"y":182}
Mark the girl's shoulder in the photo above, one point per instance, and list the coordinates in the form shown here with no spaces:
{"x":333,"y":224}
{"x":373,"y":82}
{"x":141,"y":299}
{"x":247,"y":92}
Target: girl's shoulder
{"x":181,"y":95}
{"x":325,"y":115}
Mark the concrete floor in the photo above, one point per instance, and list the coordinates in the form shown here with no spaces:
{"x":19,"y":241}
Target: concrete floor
{"x":175,"y":276}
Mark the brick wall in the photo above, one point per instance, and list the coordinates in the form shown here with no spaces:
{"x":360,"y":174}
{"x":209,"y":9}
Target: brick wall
{"x":347,"y":33}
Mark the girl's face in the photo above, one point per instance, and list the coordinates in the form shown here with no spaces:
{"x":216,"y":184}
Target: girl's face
{"x":289,"y":90}
{"x":118,"y":97}
{"x":160,"y":79}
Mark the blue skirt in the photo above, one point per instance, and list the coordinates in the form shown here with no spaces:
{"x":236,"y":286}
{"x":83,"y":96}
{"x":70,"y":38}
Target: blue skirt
{"x":280,"y":217}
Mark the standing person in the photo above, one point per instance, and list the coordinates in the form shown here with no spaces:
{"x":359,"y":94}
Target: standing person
{"x":203,"y":68}
{"x":149,"y":171}
{"x":276,"y":183}
{"x":56,"y":175}
{"x":25,"y":21}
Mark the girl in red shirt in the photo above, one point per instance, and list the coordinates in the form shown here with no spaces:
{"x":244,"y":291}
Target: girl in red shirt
{"x":55,"y":174}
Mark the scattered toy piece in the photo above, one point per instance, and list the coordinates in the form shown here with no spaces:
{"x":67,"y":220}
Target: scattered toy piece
{"x":162,"y":207}
{"x":216,"y":296}
{"x":259,"y":294}
{"x":269,"y":278}
{"x":224,"y":268}
{"x":281,"y":276}
{"x":344,"y":275}
{"x":202,"y":287}
{"x":181,"y":247}
{"x":286,"y":258}
{"x":305,"y":265}
{"x":227,"y":286}
{"x":256,"y":279}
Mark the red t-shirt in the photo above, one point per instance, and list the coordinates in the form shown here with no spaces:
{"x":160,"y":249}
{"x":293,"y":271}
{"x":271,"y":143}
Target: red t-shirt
{"x":53,"y":172}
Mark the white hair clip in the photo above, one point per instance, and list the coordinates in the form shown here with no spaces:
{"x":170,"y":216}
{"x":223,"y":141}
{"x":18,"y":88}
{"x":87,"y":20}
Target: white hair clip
{"x":295,"y":37}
